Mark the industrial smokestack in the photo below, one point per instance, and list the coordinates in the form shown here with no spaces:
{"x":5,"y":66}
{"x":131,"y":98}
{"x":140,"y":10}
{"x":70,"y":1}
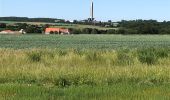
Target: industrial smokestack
{"x":92,"y":11}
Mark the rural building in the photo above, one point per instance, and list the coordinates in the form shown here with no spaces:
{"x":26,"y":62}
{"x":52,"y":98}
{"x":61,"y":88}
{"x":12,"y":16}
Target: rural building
{"x":7,"y":32}
{"x":13,"y":32}
{"x":57,"y":30}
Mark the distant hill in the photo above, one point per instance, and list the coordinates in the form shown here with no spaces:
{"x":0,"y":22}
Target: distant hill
{"x":26,"y":19}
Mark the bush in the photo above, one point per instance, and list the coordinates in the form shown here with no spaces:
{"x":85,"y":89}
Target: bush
{"x":94,"y":31}
{"x":75,"y":31}
{"x":111,"y":31}
{"x":87,"y":31}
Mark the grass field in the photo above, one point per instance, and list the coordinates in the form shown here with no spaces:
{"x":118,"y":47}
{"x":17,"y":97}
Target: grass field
{"x":87,"y":74}
{"x":114,"y":92}
{"x":84,"y":41}
{"x":84,"y":67}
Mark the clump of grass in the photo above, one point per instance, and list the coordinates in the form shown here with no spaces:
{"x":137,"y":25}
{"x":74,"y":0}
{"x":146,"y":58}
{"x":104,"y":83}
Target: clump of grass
{"x":35,"y":56}
{"x":74,"y":80}
{"x":151,"y":56}
{"x":147,"y":56}
{"x":93,"y":56}
{"x":125,"y":57}
{"x":62,"y":52}
{"x":162,"y":53}
{"x":63,"y":81}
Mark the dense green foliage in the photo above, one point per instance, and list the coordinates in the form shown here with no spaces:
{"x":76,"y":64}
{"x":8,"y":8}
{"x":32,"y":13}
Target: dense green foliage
{"x":145,"y":27}
{"x":26,"y":19}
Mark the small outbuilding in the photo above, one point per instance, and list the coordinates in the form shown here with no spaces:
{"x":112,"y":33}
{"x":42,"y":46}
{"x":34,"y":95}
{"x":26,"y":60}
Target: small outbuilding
{"x":61,"y":31}
{"x":13,"y":32}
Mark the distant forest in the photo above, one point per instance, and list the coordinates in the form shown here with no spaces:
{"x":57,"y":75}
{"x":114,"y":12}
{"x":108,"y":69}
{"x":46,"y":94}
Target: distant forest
{"x":26,"y":19}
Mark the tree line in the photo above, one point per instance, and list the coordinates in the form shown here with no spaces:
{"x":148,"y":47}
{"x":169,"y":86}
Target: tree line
{"x":144,"y":27}
{"x":123,"y":27}
{"x":26,"y":19}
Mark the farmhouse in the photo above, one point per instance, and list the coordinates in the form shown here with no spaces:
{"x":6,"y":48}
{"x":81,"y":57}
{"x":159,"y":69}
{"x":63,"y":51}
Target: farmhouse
{"x":57,"y":30}
{"x":6,"y":32}
{"x":12,"y":32}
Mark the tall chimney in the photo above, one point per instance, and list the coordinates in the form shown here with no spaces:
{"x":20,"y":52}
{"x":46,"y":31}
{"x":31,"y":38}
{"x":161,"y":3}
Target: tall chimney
{"x":92,"y":12}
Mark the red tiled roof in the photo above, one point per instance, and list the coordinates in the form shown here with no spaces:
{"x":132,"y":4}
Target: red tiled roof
{"x":48,"y":30}
{"x":7,"y":31}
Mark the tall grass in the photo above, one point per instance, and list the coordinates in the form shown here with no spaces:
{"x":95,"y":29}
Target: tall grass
{"x":84,"y":67}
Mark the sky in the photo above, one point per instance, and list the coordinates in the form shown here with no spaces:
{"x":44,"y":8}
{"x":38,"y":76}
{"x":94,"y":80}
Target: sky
{"x":104,"y":10}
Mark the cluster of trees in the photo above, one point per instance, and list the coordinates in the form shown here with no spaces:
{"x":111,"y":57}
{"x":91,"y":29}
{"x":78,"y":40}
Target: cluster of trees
{"x":132,"y":27}
{"x":26,"y":19}
{"x":96,"y":23}
{"x":144,"y":27}
{"x":96,"y":31}
{"x":28,"y":28}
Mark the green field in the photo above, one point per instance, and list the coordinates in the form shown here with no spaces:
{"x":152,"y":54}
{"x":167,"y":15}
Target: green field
{"x":84,"y":67}
{"x":84,"y":41}
{"x":114,"y":92}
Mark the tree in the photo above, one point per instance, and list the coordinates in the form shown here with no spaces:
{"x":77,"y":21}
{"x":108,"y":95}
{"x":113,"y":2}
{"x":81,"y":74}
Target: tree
{"x":111,"y":31}
{"x":30,"y":29}
{"x":86,"y":31}
{"x":94,"y":31}
{"x":22,"y":26}
{"x":2,"y":25}
{"x":51,"y":32}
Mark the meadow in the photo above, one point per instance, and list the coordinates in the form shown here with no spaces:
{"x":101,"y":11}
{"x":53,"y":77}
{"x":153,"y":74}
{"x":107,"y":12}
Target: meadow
{"x":84,"y":67}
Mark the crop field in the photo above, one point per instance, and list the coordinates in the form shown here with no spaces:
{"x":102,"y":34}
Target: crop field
{"x":84,"y":41}
{"x":84,"y":67}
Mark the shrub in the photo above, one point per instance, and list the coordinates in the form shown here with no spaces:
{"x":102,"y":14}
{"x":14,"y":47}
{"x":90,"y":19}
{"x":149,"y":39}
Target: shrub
{"x":75,"y":31}
{"x":94,"y":31}
{"x":87,"y":31}
{"x":111,"y":31}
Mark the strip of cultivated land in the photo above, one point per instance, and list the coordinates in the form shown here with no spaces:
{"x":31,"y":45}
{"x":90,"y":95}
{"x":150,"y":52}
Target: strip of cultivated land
{"x":84,"y":41}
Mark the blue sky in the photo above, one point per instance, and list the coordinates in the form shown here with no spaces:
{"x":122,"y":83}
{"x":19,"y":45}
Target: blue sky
{"x":80,"y":9}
